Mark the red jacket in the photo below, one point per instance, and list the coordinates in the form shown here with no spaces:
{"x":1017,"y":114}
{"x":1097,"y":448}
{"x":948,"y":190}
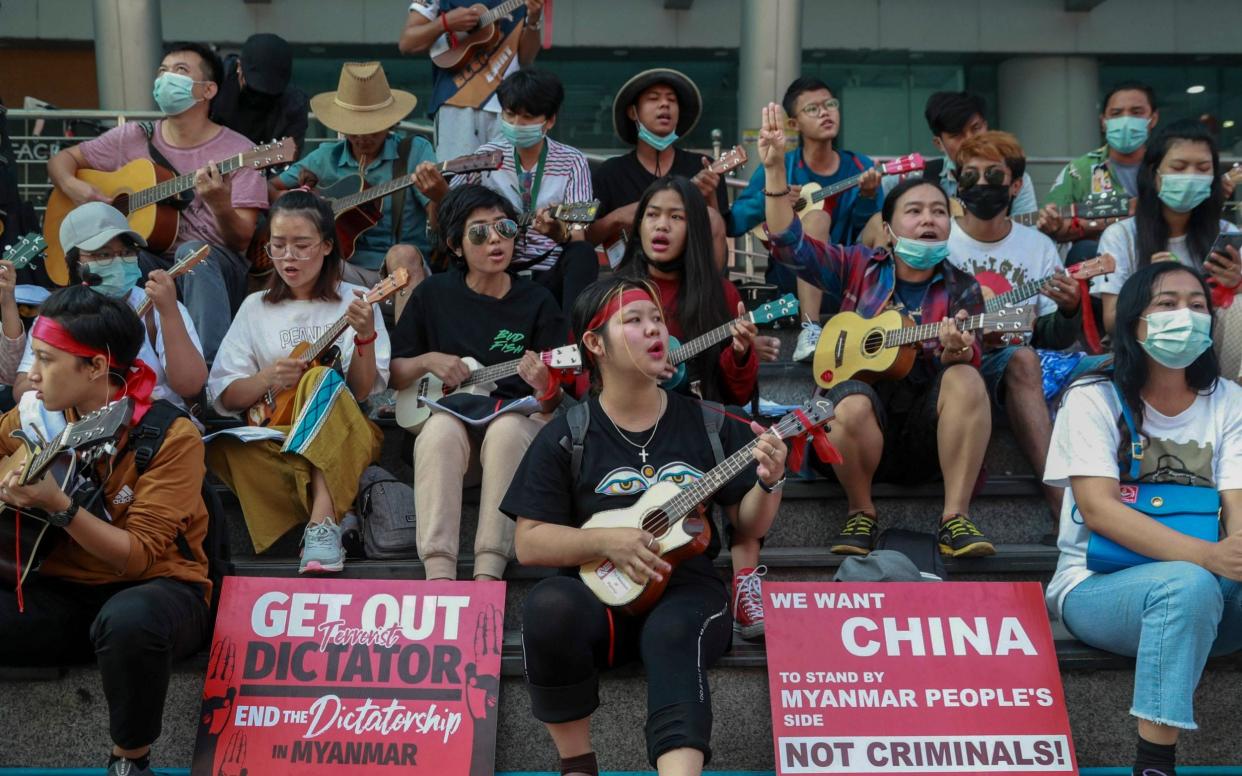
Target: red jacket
{"x":736,"y":378}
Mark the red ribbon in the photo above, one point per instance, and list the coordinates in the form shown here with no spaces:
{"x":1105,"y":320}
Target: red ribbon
{"x":452,"y":39}
{"x":139,"y":379}
{"x":1090,"y":330}
{"x":824,"y":449}
{"x":556,"y":378}
{"x":1222,"y":297}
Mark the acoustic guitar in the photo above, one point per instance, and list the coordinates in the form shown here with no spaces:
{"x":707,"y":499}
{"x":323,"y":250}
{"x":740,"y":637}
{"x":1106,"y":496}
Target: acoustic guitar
{"x":677,"y":519}
{"x":813,"y":196}
{"x":26,"y":250}
{"x":24,"y":533}
{"x":276,"y":406}
{"x":485,"y":36}
{"x":679,"y":354}
{"x":412,"y":413}
{"x":141,"y":190}
{"x":852,"y":347}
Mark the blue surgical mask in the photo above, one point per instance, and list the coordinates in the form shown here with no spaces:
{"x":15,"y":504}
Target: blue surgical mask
{"x":658,"y":142}
{"x":920,"y":254}
{"x":522,"y":135}
{"x":1175,"y":338}
{"x":1183,"y":193}
{"x":118,"y":276}
{"x":1125,"y":134}
{"x":174,"y":93}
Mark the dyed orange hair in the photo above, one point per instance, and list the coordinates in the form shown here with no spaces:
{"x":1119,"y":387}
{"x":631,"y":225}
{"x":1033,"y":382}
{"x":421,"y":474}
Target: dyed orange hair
{"x":995,"y":146}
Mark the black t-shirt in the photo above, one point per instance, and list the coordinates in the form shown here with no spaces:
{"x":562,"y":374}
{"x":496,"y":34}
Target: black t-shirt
{"x":445,"y":316}
{"x":622,"y":180}
{"x":613,"y":475}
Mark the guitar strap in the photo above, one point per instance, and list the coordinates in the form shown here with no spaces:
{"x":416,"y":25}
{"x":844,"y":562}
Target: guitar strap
{"x":182,"y":200}
{"x":399,"y":169}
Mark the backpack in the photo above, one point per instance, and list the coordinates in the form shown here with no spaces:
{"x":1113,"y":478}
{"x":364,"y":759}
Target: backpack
{"x":923,"y":549}
{"x":579,"y":419}
{"x":145,"y":440}
{"x":385,"y":507}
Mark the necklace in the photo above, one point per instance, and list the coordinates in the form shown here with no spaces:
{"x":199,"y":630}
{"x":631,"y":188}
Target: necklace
{"x":642,"y":449}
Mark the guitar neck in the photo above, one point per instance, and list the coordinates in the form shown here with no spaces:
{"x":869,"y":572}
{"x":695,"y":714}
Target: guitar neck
{"x":701,"y":343}
{"x":491,"y":374}
{"x":341,"y":204}
{"x":1016,"y":294}
{"x":174,"y":186}
{"x":325,"y":341}
{"x":909,"y":335}
{"x":836,"y":188}
{"x":43,"y":459}
{"x":504,"y":9}
{"x":681,"y":505}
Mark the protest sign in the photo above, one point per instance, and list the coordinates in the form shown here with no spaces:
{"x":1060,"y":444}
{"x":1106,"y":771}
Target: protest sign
{"x":914,"y":678}
{"x":352,"y":676}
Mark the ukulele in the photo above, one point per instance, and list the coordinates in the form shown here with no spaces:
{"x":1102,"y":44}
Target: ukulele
{"x":679,"y":354}
{"x":485,"y":36}
{"x":997,"y":292}
{"x":1095,"y":211}
{"x":813,"y":196}
{"x":182,"y":267}
{"x":575,"y":215}
{"x":140,"y":190}
{"x":412,"y":413}
{"x":727,"y":162}
{"x":276,"y":406}
{"x":884,"y":347}
{"x":677,"y":518}
{"x":24,"y":543}
{"x":26,"y":250}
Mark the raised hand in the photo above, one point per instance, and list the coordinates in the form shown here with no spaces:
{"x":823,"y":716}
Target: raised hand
{"x":772,"y":136}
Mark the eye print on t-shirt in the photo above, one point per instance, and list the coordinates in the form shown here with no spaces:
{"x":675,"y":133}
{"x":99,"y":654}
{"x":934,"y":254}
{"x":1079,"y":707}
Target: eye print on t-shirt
{"x":628,"y":481}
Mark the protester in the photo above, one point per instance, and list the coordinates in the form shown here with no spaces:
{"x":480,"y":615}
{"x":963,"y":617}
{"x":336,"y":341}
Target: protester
{"x":256,"y":98}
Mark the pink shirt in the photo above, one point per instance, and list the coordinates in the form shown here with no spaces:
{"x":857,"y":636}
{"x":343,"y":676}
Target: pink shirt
{"x":121,"y":145}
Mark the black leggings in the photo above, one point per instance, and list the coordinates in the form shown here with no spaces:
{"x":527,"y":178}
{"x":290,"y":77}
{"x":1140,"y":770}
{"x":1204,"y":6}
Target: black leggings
{"x":568,"y":635}
{"x":135,"y":631}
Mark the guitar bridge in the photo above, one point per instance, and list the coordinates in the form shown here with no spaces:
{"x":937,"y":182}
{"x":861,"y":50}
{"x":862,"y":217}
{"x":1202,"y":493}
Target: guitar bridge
{"x":839,"y":351}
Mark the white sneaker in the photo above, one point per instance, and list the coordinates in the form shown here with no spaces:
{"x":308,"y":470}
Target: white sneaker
{"x":322,"y":552}
{"x":807,"y":341}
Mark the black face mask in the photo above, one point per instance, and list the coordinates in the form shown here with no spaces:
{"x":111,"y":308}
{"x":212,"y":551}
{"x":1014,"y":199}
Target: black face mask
{"x":677,"y":265}
{"x":985,"y":200}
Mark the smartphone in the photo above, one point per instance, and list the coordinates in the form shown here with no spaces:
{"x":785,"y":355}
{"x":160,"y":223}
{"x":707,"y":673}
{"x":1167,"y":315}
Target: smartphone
{"x":1223,"y":239}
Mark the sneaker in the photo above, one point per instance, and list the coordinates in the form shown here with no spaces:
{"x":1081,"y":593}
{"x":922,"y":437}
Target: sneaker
{"x":960,"y":538}
{"x":807,"y":341}
{"x":858,"y":535}
{"x":123,"y":767}
{"x":321,"y":548}
{"x":748,"y":603}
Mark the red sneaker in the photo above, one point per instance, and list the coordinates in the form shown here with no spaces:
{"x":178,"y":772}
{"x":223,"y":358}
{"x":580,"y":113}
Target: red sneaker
{"x":748,"y":603}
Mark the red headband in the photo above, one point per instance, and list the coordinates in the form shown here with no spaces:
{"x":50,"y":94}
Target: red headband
{"x":615,"y":303}
{"x":139,"y":380}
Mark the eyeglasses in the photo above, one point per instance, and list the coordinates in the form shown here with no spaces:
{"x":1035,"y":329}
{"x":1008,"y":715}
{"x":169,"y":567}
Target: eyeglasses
{"x":477,"y":234}
{"x":103,"y":259}
{"x":285,"y":252}
{"x":814,"y":109}
{"x":969,"y":177}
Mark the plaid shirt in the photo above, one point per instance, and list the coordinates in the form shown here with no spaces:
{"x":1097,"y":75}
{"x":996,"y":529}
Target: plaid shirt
{"x":858,"y":279}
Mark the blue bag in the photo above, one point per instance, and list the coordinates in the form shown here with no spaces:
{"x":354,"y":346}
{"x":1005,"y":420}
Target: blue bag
{"x":1191,"y":510}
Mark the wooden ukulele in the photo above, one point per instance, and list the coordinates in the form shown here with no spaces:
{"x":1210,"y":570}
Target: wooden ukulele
{"x":485,"y":36}
{"x":276,"y":406}
{"x":885,"y":347}
{"x":412,"y":413}
{"x":998,"y":293}
{"x":140,"y":190}
{"x":24,"y":539}
{"x":812,"y":196}
{"x":26,"y":250}
{"x":677,"y":518}
{"x":679,"y":354}
{"x":182,"y":267}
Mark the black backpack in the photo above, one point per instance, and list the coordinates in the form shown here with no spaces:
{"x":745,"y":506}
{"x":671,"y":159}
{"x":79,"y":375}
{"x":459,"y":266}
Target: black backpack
{"x":145,"y":440}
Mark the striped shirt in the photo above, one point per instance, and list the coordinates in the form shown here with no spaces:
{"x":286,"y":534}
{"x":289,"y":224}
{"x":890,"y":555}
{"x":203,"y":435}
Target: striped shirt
{"x":566,"y":178}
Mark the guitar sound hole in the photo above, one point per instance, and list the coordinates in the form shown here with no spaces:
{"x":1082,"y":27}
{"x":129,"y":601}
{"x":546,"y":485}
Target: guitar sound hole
{"x":121,"y":202}
{"x":656,"y":523}
{"x":872,"y":342}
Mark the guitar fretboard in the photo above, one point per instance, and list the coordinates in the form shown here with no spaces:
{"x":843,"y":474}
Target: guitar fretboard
{"x":1032,"y":218}
{"x":702,"y":342}
{"x":681,"y":505}
{"x":504,"y":9}
{"x":910,"y":334}
{"x":490,"y":374}
{"x":341,"y":204}
{"x":1016,"y":294}
{"x":44,"y":458}
{"x":174,"y":186}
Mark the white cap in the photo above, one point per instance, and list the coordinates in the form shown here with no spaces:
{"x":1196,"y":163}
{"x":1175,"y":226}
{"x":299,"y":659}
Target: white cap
{"x":90,"y":227}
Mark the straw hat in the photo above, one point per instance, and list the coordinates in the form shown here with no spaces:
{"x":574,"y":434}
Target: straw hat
{"x":689,"y":101}
{"x":362,"y":102}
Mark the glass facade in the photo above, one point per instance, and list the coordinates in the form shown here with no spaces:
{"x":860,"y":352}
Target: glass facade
{"x":1221,"y":95}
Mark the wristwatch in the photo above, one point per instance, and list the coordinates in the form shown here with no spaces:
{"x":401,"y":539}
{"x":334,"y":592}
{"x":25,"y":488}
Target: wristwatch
{"x":773,"y":487}
{"x":62,"y":518}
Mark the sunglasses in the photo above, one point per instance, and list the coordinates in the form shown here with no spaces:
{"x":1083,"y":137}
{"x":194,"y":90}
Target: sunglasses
{"x":506,"y":228}
{"x":970,"y":177}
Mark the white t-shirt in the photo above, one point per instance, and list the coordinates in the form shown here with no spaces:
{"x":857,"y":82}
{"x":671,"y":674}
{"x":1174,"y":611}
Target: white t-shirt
{"x":431,"y":10}
{"x":1024,"y":255}
{"x":153,"y":357}
{"x":1121,"y":239}
{"x":1205,"y":439}
{"x":262,"y":333}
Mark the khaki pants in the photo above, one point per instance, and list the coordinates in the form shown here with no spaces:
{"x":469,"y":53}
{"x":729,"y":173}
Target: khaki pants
{"x":448,"y":456}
